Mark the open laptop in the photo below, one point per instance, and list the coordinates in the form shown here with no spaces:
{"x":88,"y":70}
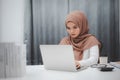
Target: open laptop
{"x":58,"y":57}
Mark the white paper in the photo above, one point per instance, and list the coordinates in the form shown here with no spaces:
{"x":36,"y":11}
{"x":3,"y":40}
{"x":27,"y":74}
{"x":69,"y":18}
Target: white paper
{"x":12,"y":60}
{"x":2,"y":66}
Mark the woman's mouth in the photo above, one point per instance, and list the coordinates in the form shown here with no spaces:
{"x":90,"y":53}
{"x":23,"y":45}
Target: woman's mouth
{"x":72,"y":34}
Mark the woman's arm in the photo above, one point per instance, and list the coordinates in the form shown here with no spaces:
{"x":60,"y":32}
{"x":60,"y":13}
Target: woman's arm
{"x":93,"y":56}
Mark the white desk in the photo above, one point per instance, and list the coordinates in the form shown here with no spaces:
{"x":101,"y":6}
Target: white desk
{"x":39,"y":73}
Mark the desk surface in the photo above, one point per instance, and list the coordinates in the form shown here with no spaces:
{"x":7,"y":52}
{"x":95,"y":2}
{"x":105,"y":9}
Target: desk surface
{"x":39,"y":73}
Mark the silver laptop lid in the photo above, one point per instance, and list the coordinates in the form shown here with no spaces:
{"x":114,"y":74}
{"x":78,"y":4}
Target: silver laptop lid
{"x":58,"y":57}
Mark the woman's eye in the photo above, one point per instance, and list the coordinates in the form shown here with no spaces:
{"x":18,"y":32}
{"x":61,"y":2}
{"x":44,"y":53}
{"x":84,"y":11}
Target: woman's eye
{"x":67,"y":27}
{"x":75,"y":27}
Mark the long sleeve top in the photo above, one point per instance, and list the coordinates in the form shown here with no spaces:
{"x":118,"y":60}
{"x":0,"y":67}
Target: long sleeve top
{"x":90,"y":56}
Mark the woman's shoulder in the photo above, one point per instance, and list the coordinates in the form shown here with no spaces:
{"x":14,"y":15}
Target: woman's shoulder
{"x":92,"y":37}
{"x":64,"y":40}
{"x":94,"y":40}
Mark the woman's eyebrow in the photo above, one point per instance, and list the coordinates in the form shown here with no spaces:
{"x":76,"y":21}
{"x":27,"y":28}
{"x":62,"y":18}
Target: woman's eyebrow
{"x":74,"y":26}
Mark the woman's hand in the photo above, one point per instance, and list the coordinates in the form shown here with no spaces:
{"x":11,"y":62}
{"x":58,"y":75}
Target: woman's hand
{"x":77,"y":64}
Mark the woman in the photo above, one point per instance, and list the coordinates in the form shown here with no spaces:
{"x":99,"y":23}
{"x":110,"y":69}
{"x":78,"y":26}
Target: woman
{"x":85,"y":46}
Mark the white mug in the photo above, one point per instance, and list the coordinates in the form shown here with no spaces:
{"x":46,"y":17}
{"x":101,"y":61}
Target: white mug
{"x":103,"y":60}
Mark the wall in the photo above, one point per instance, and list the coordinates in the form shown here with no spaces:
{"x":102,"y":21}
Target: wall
{"x":0,"y":18}
{"x":11,"y":20}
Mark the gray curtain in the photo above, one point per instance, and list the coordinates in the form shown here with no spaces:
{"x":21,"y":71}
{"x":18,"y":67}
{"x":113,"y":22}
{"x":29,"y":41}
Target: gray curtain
{"x":44,"y":24}
{"x":114,"y":31}
{"x":28,"y":32}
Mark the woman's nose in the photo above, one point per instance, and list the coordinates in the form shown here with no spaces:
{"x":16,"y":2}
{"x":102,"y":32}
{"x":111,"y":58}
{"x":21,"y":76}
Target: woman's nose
{"x":71,"y":31}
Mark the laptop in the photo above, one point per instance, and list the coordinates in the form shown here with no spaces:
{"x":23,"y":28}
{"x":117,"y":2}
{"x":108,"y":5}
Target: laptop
{"x":58,"y":57}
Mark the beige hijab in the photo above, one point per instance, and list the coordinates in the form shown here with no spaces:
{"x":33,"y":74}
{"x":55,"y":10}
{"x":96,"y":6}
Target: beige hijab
{"x":84,"y":40}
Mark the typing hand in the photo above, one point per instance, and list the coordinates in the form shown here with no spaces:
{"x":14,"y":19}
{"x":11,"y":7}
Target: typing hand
{"x":77,"y":64}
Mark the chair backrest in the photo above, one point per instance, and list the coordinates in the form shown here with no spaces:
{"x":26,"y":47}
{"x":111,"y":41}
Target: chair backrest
{"x":100,"y":51}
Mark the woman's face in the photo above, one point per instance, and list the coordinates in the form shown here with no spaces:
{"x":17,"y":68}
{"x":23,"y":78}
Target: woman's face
{"x":72,"y":29}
